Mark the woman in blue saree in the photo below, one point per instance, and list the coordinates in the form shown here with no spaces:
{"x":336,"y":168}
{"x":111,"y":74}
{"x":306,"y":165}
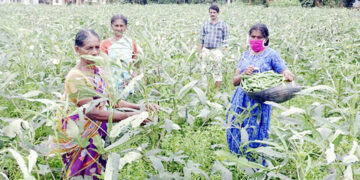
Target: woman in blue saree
{"x":247,"y":114}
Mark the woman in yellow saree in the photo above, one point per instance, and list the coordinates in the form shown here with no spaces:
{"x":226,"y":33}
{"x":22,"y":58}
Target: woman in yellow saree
{"x":79,"y":160}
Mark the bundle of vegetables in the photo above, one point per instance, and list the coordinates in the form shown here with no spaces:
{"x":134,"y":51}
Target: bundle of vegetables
{"x":261,"y":81}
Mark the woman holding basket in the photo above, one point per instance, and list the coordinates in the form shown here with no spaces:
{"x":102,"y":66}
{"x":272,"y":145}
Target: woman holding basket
{"x":247,"y":114}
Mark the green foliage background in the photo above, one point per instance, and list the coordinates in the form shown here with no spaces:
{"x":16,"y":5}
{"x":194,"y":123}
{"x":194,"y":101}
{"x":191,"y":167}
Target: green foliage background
{"x":321,"y":47}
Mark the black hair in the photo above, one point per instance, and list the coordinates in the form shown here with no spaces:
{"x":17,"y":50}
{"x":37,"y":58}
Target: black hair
{"x":119,"y":16}
{"x":263,"y":29}
{"x":214,"y":7}
{"x":82,"y":35}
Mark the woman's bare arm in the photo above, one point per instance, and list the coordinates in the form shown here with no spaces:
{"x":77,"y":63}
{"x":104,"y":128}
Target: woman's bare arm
{"x":101,"y":115}
{"x":237,"y":77}
{"x":288,"y":75}
{"x":125,"y":104}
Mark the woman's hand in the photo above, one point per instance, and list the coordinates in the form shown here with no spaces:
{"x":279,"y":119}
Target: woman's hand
{"x":288,"y":75}
{"x":153,"y":107}
{"x":249,"y":70}
{"x":146,"y":121}
{"x":134,"y":74}
{"x":125,"y":84}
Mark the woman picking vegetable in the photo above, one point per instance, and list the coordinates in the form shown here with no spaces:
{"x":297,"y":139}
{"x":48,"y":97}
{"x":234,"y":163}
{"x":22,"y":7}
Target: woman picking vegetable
{"x":80,"y":160}
{"x":249,"y":116}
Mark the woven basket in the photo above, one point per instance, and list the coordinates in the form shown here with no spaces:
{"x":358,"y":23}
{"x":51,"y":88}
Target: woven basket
{"x":276,"y":94}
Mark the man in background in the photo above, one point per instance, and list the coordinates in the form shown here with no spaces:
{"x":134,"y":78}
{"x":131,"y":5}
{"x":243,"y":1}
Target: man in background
{"x":214,"y":35}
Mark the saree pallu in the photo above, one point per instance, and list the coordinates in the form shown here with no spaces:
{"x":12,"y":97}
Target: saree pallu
{"x":123,"y":52}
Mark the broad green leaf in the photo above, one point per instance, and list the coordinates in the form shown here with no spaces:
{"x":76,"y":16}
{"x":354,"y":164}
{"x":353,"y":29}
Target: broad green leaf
{"x":43,"y":169}
{"x":324,"y":132}
{"x":47,"y":102}
{"x":316,"y":88}
{"x":354,"y":147}
{"x":337,"y":133}
{"x":356,"y":124}
{"x":275,"y":145}
{"x":215,"y":105}
{"x":92,"y":104}
{"x":330,"y":177}
{"x":348,"y":175}
{"x":133,"y":121}
{"x":190,"y":119}
{"x":3,"y":108}
{"x":175,"y":126}
{"x":193,"y":168}
{"x":269,"y":152}
{"x":167,"y":175}
{"x":32,"y":158}
{"x":85,"y":92}
{"x":17,"y":126}
{"x":276,"y":105}
{"x":299,"y":135}
{"x":32,"y":94}
{"x":201,"y":95}
{"x":191,"y":57}
{"x":122,"y":140}
{"x":129,"y":158}
{"x":153,"y":152}
{"x":238,"y":160}
{"x":4,"y":176}
{"x":293,"y":110}
{"x":167,"y":77}
{"x":186,"y":89}
{"x":43,"y":147}
{"x":278,"y":175}
{"x":82,"y":142}
{"x":344,"y":111}
{"x":225,"y":173}
{"x":308,"y":166}
{"x":131,"y":85}
{"x":357,"y":171}
{"x":169,"y":126}
{"x":166,"y":109}
{"x":9,"y":78}
{"x":72,"y":129}
{"x":156,"y":163}
{"x":244,"y":135}
{"x":111,"y":171}
{"x":203,"y":113}
{"x":99,"y":143}
{"x":19,"y":159}
{"x":351,"y":158}
{"x":330,"y":154}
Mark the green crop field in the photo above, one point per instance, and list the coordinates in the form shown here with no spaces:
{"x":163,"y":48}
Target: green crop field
{"x":313,"y":136}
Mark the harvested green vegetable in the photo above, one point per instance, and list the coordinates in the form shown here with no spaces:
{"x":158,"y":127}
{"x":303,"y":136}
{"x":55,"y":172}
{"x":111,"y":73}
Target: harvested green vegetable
{"x":260,"y":81}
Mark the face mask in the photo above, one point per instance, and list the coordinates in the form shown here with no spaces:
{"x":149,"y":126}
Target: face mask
{"x":256,"y":45}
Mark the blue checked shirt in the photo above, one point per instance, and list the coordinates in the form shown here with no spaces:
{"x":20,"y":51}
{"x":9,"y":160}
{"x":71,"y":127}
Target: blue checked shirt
{"x":214,"y":35}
